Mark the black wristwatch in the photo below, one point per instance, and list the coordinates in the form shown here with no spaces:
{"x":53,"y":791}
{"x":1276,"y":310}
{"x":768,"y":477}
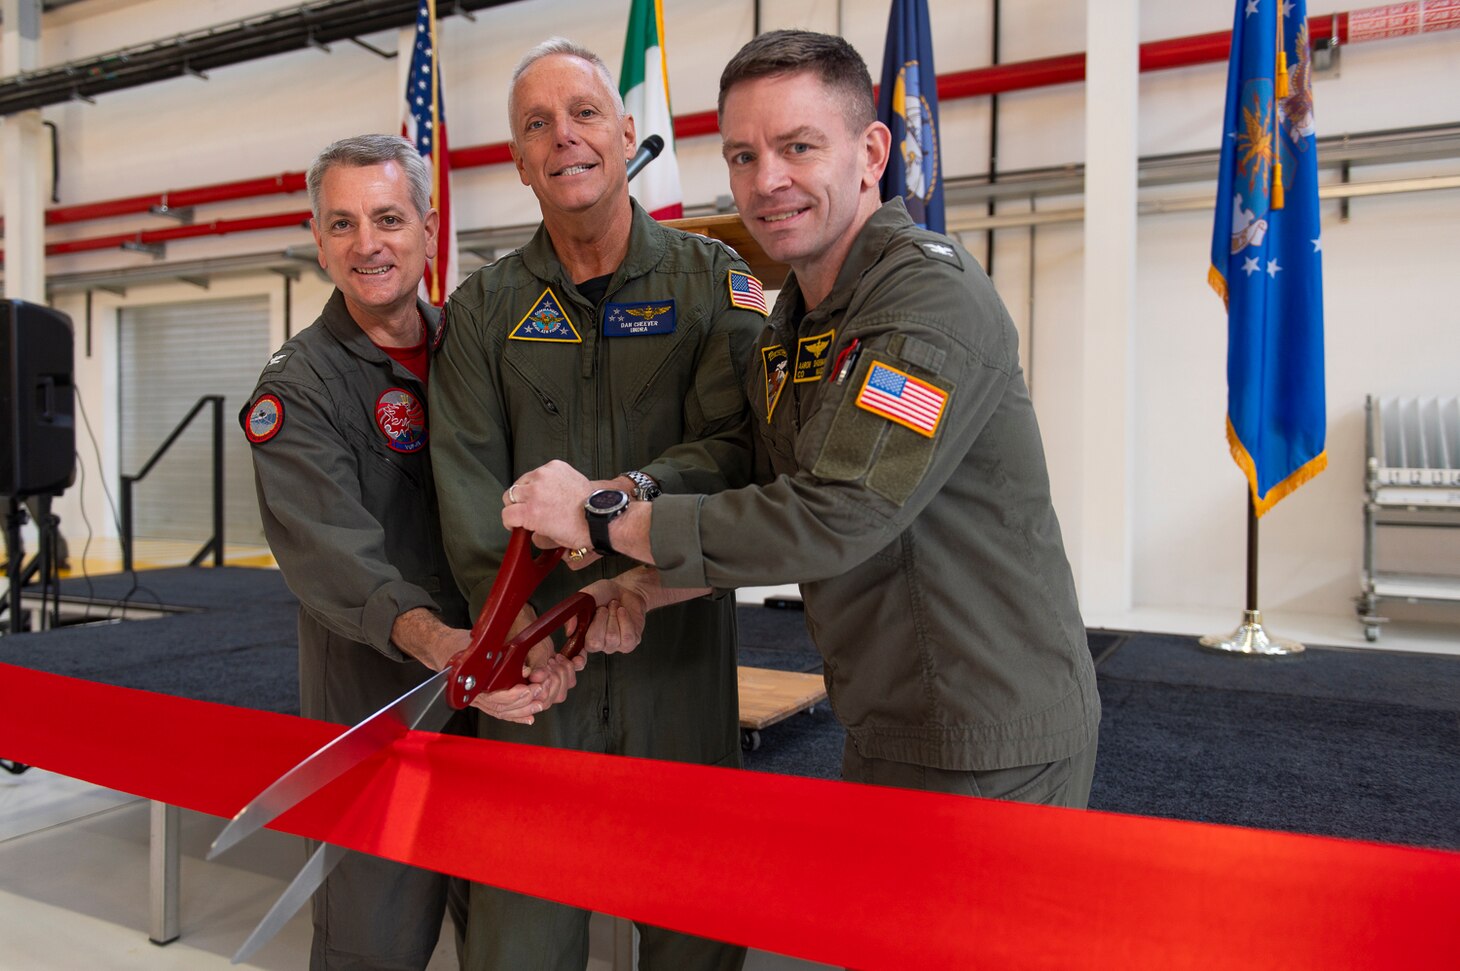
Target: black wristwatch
{"x":602,"y":508}
{"x":645,"y":488}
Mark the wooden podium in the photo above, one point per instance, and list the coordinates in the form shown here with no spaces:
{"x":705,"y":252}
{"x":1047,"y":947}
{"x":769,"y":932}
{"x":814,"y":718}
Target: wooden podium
{"x":728,"y":229}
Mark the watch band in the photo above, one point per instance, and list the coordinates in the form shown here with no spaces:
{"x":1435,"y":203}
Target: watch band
{"x":602,"y":508}
{"x":598,"y":535}
{"x":645,"y":488}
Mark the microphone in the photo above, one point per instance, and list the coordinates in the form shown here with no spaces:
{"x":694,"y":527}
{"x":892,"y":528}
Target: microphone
{"x":649,"y":150}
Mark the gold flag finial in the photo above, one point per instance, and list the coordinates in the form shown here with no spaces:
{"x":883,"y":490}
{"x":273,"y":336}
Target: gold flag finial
{"x":1280,"y":80}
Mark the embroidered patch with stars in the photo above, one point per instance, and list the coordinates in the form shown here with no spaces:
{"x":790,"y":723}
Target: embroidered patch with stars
{"x":638,"y":319}
{"x":401,"y":419}
{"x":811,"y":356}
{"x":546,"y":321}
{"x":264,"y":419}
{"x":777,"y":364}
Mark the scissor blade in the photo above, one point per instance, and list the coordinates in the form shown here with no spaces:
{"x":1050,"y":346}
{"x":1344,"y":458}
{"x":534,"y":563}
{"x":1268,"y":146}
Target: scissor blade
{"x":422,"y":707}
{"x":305,"y":883}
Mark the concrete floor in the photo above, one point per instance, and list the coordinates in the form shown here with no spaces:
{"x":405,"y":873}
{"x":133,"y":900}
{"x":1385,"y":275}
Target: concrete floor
{"x":74,"y":889}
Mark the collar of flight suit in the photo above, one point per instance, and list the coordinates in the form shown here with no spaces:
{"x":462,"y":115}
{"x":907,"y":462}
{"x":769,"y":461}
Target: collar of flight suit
{"x":646,"y":249}
{"x":867,"y":249}
{"x":343,"y":327}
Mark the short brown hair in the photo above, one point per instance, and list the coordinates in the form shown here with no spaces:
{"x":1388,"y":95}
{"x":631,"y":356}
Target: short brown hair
{"x":834,"y":61}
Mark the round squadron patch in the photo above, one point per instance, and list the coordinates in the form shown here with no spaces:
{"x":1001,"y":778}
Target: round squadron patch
{"x":265,"y":419}
{"x":402,"y":419}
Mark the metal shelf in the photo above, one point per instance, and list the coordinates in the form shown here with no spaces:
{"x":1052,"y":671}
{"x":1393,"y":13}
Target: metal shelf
{"x":1412,"y":480}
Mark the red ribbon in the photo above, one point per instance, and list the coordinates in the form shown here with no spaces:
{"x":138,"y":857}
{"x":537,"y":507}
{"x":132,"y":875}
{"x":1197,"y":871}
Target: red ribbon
{"x":831,"y":872}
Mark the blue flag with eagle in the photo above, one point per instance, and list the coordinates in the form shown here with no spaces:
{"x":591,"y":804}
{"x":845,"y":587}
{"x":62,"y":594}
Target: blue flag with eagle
{"x":907,"y":103}
{"x":1267,"y":253}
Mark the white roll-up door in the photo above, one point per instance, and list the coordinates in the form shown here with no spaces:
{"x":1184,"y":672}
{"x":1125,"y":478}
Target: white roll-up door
{"x":170,"y":356}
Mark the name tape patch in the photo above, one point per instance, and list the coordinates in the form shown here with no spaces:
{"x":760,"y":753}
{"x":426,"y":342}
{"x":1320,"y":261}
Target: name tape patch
{"x":812,"y":354}
{"x":638,"y":319}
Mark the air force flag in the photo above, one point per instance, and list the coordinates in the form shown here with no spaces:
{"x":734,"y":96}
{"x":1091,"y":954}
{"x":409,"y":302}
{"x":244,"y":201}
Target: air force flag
{"x":1266,"y":259}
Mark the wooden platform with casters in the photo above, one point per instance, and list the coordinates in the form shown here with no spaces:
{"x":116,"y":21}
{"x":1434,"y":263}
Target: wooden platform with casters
{"x":768,"y":696}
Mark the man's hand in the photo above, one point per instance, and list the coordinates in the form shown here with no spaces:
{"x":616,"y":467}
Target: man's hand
{"x":618,"y":623}
{"x":548,"y":501}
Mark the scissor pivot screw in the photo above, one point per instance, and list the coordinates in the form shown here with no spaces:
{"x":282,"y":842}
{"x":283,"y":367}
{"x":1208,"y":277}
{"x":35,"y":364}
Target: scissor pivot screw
{"x":470,"y":682}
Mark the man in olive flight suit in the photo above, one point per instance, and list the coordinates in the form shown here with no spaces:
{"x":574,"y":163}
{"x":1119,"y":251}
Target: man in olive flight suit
{"x":615,"y":344}
{"x":910,"y":497}
{"x":342,"y":466}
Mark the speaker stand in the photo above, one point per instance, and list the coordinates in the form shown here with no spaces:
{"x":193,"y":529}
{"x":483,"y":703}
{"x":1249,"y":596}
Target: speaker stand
{"x":15,"y":518}
{"x":14,"y":577}
{"x":20,"y":575}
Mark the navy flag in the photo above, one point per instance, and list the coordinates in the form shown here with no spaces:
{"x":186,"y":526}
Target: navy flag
{"x":907,"y":103}
{"x":1266,"y":260}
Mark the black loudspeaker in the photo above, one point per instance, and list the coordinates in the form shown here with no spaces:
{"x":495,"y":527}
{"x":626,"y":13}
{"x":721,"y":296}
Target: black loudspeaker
{"x":37,"y":400}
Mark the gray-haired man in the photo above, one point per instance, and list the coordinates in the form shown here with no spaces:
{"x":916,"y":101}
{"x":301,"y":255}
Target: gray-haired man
{"x":342,"y":465}
{"x":615,"y":344}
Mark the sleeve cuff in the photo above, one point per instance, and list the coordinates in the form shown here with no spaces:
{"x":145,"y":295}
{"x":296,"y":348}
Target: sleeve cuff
{"x":674,"y":541}
{"x":669,"y":480}
{"x":384,"y":606}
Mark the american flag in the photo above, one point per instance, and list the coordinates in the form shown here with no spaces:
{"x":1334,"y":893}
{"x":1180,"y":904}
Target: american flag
{"x":746,"y":292}
{"x":425,"y":124}
{"x":903,"y":398}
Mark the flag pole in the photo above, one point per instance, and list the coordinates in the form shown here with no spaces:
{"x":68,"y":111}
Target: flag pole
{"x":1250,"y":637}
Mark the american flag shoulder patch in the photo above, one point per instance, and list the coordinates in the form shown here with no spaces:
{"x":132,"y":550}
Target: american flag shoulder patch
{"x":900,"y":397}
{"x":747,"y":293}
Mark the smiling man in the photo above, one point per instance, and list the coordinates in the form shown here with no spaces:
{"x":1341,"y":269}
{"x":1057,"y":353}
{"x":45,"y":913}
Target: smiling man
{"x":615,"y":344}
{"x":342,"y":465}
{"x":905,"y":485}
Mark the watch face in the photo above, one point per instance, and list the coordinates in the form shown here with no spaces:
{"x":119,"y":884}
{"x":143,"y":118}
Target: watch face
{"x":607,"y":500}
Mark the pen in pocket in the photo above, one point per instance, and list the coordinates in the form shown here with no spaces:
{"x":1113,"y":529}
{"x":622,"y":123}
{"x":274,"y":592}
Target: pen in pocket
{"x":847,"y":360}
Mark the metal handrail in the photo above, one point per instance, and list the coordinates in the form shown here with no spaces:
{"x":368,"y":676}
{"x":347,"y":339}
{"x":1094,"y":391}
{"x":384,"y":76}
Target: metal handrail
{"x":215,"y":542}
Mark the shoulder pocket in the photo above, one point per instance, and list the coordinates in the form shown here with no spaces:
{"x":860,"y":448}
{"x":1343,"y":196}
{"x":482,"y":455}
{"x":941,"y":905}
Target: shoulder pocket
{"x":718,"y":391}
{"x":865,"y":444}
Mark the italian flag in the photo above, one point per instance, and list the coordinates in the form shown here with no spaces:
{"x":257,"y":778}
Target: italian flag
{"x":644,"y":83}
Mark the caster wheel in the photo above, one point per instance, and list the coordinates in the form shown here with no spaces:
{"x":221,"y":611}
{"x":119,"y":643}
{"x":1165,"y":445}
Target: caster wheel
{"x":1371,"y":633}
{"x":750,"y":740}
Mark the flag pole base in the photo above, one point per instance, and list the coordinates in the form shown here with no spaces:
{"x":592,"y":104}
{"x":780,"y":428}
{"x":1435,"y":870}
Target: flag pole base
{"x":1250,"y":638}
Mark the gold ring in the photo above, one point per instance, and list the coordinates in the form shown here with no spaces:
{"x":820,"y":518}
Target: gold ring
{"x":578,"y":554}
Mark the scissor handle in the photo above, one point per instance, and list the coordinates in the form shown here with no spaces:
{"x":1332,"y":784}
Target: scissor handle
{"x":505,"y":670}
{"x":483,"y":660}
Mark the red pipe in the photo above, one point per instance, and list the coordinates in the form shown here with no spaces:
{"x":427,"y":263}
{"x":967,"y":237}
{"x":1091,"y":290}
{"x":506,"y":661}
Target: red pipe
{"x":1392,"y":20}
{"x":218,"y":227}
{"x":224,"y":191}
{"x":474,"y":155}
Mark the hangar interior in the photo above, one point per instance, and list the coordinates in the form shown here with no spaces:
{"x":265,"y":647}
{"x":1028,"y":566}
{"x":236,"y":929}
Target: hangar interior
{"x":1089,"y":201}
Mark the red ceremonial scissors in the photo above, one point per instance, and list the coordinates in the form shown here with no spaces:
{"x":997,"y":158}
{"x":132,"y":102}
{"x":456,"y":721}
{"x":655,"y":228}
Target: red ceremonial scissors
{"x":489,"y":663}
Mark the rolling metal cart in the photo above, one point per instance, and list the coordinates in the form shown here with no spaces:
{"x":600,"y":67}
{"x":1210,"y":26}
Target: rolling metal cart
{"x":1412,"y":480}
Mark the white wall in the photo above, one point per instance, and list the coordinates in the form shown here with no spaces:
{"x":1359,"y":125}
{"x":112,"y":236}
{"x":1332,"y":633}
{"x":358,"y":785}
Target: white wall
{"x":1390,"y":326}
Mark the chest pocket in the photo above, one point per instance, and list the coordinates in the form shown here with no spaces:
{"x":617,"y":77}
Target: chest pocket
{"x":537,"y":407}
{"x":380,"y":465}
{"x":654,"y":375}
